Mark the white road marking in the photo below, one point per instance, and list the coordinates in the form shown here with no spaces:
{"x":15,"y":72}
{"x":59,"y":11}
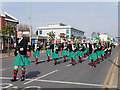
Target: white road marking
{"x":2,"y":69}
{"x":9,"y":85}
{"x":41,"y":77}
{"x":75,"y":83}
{"x":33,"y":87}
{"x":14,"y":87}
{"x":69,"y":65}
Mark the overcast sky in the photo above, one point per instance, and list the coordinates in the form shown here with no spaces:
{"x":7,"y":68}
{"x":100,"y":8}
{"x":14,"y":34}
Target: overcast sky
{"x":87,"y":16}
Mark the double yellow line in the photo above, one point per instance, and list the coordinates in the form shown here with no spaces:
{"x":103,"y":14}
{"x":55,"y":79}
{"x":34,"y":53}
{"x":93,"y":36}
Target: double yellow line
{"x":113,"y":67}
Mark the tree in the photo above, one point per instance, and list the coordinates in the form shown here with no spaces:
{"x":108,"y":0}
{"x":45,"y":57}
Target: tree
{"x":24,"y":27}
{"x":62,"y":35}
{"x":72,"y":37}
{"x":98,"y":34}
{"x":84,"y":38}
{"x":7,"y":30}
{"x":79,"y":37}
{"x":51,"y":35}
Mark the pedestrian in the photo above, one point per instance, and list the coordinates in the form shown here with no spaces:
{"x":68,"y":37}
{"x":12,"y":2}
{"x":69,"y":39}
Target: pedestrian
{"x":72,"y":51}
{"x":21,"y":58}
{"x":36,"y":50}
{"x":55,"y":49}
{"x":48,"y":49}
{"x":93,"y":54}
{"x":64,"y":49}
{"x":80,"y":51}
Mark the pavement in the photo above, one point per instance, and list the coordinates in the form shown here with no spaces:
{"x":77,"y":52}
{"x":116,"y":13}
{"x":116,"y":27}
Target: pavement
{"x":63,"y":75}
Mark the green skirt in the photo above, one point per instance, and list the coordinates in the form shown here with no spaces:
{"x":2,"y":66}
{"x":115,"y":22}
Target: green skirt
{"x":48,"y":51}
{"x":72,"y":55}
{"x":85,"y":51}
{"x":59,"y":52}
{"x":21,"y":61}
{"x":36,"y":54}
{"x":93,"y":56}
{"x":103,"y":52}
{"x":64,"y":53}
{"x":98,"y":54}
{"x":55,"y":56}
{"x":80,"y":53}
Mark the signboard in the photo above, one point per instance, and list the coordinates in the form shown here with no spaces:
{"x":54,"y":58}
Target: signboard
{"x":103,"y":37}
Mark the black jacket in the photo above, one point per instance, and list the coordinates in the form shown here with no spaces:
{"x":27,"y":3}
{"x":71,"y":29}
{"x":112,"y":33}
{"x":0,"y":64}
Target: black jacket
{"x":52,"y":47}
{"x":70,"y":48}
{"x":64,"y":46}
{"x":33,"y":47}
{"x":22,"y":44}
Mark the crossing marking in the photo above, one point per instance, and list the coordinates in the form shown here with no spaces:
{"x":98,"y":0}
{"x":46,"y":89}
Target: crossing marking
{"x":33,"y":87}
{"x":108,"y":75}
{"x":69,"y":65}
{"x":9,"y":85}
{"x":41,"y":76}
{"x":112,"y":76}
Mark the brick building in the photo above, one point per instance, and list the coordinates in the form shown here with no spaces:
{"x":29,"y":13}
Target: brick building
{"x":7,"y":19}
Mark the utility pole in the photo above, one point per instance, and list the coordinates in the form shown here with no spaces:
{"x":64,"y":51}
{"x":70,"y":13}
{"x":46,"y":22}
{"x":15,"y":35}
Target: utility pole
{"x":30,"y":35}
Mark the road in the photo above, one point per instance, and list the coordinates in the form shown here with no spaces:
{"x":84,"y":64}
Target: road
{"x":63,"y":75}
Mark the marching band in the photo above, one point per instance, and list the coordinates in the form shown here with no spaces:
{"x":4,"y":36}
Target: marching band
{"x":96,"y":51}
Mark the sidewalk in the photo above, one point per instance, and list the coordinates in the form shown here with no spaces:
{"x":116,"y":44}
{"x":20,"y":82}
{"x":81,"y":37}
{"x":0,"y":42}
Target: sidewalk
{"x":6,"y":55}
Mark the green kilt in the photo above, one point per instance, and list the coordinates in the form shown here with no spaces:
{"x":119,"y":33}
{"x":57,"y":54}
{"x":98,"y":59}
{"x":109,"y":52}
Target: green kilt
{"x":64,"y":53}
{"x":48,"y":51}
{"x":36,"y":54}
{"x":18,"y":61}
{"x":98,"y":54}
{"x":103,"y":52}
{"x":59,"y":52}
{"x":72,"y":55}
{"x":80,"y":53}
{"x":85,"y":51}
{"x":93,"y":56}
{"x":55,"y":56}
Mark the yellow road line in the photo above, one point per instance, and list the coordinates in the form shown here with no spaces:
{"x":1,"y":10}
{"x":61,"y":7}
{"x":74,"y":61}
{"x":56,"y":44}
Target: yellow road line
{"x":108,"y":75}
{"x":112,"y":76}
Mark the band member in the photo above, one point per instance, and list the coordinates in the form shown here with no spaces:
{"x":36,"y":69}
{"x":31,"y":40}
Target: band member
{"x":59,"y":46}
{"x":36,"y":50}
{"x":21,"y":58}
{"x":98,"y":51}
{"x":85,"y":49}
{"x":55,"y":49}
{"x":80,"y":51}
{"x":102,"y":52}
{"x":64,"y":49}
{"x":72,"y":51}
{"x":93,"y":54}
{"x":48,"y":49}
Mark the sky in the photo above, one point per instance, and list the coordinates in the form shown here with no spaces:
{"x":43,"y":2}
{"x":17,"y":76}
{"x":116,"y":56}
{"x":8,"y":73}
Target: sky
{"x":89,"y":17}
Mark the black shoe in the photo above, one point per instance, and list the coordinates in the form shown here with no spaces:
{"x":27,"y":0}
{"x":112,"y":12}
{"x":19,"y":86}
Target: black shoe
{"x":80,"y":61}
{"x":36,"y":63}
{"x":94,"y":65}
{"x":73,"y":64}
{"x":55,"y":63}
{"x":64,"y":60}
{"x":48,"y":60}
{"x":98,"y":62}
{"x":14,"y":79}
{"x":22,"y":79}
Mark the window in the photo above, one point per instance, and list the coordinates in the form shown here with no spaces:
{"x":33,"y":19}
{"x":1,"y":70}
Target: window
{"x":8,"y":23}
{"x":67,"y":36}
{"x":71,"y":31}
{"x":67,"y":31}
{"x":40,"y":31}
{"x":5,"y":22}
{"x":12,"y":23}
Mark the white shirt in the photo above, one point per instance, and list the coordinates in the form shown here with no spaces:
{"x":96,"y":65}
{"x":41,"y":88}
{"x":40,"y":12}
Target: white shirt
{"x":20,"y":40}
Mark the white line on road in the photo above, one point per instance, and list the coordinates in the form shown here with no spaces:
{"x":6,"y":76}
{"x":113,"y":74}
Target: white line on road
{"x":75,"y":83}
{"x":2,"y":69}
{"x":33,"y":87}
{"x":41,"y":76}
{"x":69,"y":65}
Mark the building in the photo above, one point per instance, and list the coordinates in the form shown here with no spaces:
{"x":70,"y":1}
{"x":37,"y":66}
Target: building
{"x":7,"y":19}
{"x":60,"y":28}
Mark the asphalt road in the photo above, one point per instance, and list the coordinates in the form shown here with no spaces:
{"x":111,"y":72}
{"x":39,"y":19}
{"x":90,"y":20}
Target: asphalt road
{"x":63,"y":75}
